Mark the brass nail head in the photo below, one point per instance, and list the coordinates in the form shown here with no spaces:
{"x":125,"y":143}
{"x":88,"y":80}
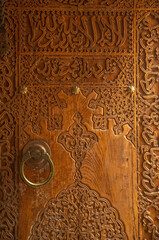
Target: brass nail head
{"x":76,"y":90}
{"x":131,"y":89}
{"x":23,"y":90}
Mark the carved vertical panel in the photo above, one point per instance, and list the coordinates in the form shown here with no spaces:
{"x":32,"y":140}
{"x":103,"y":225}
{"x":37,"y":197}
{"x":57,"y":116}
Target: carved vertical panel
{"x":8,"y":132}
{"x":148,"y":121}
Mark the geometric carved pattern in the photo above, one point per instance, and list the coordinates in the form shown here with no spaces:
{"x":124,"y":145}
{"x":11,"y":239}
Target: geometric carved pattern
{"x":148,"y":117}
{"x":35,"y":105}
{"x":147,"y":4}
{"x":101,"y":3}
{"x":110,"y":70}
{"x":117,"y":103}
{"x":78,"y":213}
{"x":77,"y":140}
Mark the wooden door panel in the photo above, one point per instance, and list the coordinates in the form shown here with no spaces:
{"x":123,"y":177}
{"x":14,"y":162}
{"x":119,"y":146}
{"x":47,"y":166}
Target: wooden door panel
{"x":96,"y":171}
{"x":103,"y":139}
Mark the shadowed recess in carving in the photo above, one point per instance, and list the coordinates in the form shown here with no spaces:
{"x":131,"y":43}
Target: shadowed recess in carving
{"x":78,"y":213}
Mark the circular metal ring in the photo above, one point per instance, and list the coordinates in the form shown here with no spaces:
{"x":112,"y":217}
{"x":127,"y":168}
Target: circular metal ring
{"x":44,"y":156}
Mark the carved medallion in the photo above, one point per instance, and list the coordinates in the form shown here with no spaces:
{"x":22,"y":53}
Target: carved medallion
{"x":78,"y":213}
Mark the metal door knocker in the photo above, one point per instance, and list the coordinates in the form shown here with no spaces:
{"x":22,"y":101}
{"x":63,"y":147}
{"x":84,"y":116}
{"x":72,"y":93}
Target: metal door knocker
{"x":36,"y":154}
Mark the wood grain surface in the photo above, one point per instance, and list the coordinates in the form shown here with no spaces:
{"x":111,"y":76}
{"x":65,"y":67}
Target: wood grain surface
{"x":81,"y":75}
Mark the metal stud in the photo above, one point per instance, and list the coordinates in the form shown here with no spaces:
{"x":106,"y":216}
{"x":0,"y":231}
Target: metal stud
{"x":23,"y":90}
{"x":131,"y":89}
{"x":75,"y":90}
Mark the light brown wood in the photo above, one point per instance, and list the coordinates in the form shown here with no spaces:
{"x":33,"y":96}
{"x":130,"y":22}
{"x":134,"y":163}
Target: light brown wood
{"x":83,"y":77}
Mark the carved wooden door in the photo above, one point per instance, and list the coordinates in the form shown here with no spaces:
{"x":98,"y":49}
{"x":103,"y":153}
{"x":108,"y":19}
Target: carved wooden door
{"x":81,"y":76}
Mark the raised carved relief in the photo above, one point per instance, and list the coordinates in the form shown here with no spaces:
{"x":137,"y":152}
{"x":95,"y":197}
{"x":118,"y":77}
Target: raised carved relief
{"x":69,"y":32}
{"x":8,"y":147}
{"x":8,"y":177}
{"x":108,"y":70}
{"x":101,"y":3}
{"x":37,"y":104}
{"x":148,"y":77}
{"x":8,"y":61}
{"x":77,"y":140}
{"x":117,"y":104}
{"x":147,"y":3}
{"x":78,"y":213}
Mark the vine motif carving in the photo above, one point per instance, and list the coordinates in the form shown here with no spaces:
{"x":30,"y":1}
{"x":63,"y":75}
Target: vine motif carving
{"x":85,"y":216}
{"x":77,"y":140}
{"x":148,"y":35}
{"x":66,"y":31}
{"x":54,"y":70}
{"x":118,"y":104}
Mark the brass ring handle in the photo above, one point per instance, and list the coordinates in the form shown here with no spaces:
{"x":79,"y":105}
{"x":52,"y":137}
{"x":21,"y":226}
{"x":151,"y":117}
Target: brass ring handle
{"x":44,"y":155}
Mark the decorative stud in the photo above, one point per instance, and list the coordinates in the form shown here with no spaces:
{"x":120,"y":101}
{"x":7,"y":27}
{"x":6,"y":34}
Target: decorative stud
{"x":75,"y":90}
{"x":23,"y":90}
{"x":131,"y":89}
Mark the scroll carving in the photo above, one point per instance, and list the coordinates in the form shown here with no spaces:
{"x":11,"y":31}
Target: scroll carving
{"x":63,"y":31}
{"x":98,"y":219}
{"x":148,"y":35}
{"x":108,"y":70}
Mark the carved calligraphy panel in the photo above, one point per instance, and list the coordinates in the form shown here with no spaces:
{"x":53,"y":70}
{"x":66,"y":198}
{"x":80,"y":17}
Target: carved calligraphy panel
{"x":110,"y":70}
{"x":8,"y":133}
{"x":83,"y":32}
{"x":148,"y":100}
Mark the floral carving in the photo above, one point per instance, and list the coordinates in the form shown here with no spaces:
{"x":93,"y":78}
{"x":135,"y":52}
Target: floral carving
{"x":78,"y":213}
{"x":77,"y":140}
